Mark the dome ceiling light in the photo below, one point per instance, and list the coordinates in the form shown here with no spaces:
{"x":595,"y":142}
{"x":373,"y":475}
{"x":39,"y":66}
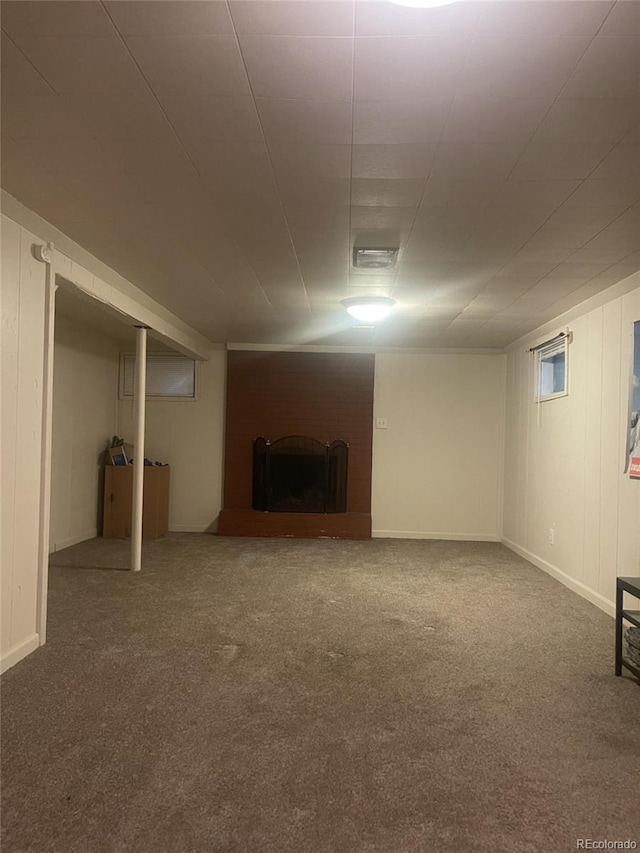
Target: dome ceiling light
{"x":369,"y":309}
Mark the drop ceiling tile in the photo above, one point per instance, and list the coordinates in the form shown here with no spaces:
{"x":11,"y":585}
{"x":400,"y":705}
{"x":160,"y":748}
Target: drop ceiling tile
{"x":596,"y":216}
{"x":237,"y":177}
{"x":375,"y":18}
{"x":289,"y":299}
{"x":541,"y":255}
{"x":623,"y":160}
{"x":609,"y":69}
{"x":511,"y":287}
{"x":626,"y":267}
{"x":554,"y":288}
{"x":170,"y":18}
{"x":598,"y":256}
{"x":323,"y":223}
{"x":313,"y":248}
{"x":61,"y":19}
{"x":78,"y":160}
{"x":417,"y":67}
{"x":585,"y":291}
{"x":441,"y":248}
{"x":520,"y":66}
{"x":19,"y":77}
{"x":541,"y":194}
{"x":39,"y":115}
{"x":494,"y":120}
{"x":572,"y":269}
{"x":296,"y":122}
{"x":467,"y":275}
{"x":613,"y":194}
{"x":429,"y":270}
{"x":399,"y":122}
{"x":623,"y":235}
{"x":324,"y":192}
{"x":292,"y":18}
{"x":598,"y":120}
{"x":624,"y":20}
{"x":388,"y":219}
{"x":526,"y":269}
{"x":307,"y":68}
{"x":26,"y":178}
{"x":562,"y":237}
{"x":313,"y":161}
{"x":159,"y":158}
{"x":508,"y":226}
{"x":434,"y":221}
{"x":207,"y":65}
{"x":467,"y":162}
{"x":127,"y":116}
{"x":386,"y":192}
{"x":475,"y":192}
{"x":83,"y":65}
{"x":578,"y":18}
{"x":543,"y":161}
{"x":393,"y":161}
{"x":211,"y":123}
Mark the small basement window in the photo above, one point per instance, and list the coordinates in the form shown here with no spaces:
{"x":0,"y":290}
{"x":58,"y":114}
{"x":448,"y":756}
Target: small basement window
{"x":169,"y":377}
{"x":551,"y":369}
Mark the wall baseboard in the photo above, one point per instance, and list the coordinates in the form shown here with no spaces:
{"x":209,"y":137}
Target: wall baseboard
{"x":419,"y":534}
{"x":574,"y":585}
{"x":19,"y":651}
{"x":73,"y":540}
{"x":188,"y":528}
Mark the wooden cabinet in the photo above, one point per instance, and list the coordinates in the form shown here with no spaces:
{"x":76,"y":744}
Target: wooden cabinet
{"x":118,"y":485}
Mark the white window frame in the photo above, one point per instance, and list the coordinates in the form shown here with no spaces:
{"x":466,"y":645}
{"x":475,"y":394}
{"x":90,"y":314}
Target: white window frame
{"x":551,"y":347}
{"x":154,"y":398}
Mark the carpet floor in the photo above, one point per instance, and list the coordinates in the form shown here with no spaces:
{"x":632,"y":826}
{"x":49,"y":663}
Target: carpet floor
{"x":291,"y":696}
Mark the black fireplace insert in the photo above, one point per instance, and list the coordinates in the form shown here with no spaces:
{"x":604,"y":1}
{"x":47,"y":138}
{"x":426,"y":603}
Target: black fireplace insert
{"x":299,"y":474}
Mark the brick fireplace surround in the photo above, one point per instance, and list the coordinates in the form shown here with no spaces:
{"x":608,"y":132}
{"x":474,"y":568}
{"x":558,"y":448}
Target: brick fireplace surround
{"x":322,"y":395}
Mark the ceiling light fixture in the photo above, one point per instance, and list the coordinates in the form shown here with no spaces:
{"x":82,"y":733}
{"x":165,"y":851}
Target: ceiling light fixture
{"x":369,"y":309}
{"x":423,"y":4}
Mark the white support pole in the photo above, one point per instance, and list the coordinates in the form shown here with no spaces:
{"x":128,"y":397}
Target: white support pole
{"x":139,"y":399}
{"x":45,"y":254}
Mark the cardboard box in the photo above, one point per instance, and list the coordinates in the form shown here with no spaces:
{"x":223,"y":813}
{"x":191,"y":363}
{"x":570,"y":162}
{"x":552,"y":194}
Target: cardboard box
{"x":118,"y":488}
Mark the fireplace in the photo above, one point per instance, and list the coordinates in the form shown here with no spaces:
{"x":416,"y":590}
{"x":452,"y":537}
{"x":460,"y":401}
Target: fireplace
{"x":297,"y":473}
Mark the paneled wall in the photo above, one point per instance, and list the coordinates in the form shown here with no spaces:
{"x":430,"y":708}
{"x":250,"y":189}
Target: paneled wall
{"x":273,"y":394}
{"x":85,"y":392}
{"x":23,"y":325}
{"x":437,"y":467}
{"x":564,"y":458}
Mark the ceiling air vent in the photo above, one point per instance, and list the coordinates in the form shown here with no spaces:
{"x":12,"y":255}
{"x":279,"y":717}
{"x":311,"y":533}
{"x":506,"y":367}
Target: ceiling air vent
{"x":374,"y":259}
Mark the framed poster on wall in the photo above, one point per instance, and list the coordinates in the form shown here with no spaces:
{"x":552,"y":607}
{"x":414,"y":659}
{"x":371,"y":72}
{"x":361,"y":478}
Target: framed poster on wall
{"x":633,"y":446}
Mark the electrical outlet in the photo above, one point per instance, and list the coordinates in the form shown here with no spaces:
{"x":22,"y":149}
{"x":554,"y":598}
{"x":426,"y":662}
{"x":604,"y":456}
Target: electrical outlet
{"x":552,"y":536}
{"x":381,"y":423}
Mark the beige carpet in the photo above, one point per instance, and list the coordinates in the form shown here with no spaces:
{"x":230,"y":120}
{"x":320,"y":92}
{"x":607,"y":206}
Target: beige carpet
{"x":289,"y":696}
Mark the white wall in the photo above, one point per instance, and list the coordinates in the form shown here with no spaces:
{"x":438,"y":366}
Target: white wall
{"x":564,"y":463}
{"x":437,"y":468}
{"x":23,"y":322}
{"x":189,"y":436}
{"x":85,"y":393}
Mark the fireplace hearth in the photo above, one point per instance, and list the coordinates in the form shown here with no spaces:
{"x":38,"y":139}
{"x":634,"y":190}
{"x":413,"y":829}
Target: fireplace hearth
{"x":298,"y":473}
